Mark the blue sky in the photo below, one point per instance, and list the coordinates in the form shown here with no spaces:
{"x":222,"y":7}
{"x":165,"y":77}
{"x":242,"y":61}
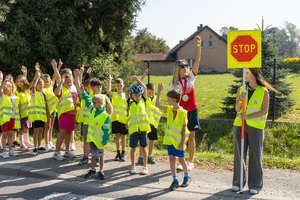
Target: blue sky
{"x":175,"y":20}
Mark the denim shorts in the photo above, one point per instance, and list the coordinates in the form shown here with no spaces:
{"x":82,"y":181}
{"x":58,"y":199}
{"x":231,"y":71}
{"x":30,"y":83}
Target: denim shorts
{"x":135,"y":137}
{"x":95,"y":151}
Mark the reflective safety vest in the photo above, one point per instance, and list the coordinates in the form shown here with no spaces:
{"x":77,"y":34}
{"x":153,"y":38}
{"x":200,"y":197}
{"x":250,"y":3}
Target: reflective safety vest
{"x":24,"y":98}
{"x":95,"y":131}
{"x":80,"y":117}
{"x":154,"y":114}
{"x":51,"y":99}
{"x":138,"y":119}
{"x":37,"y":109}
{"x":65,"y":103}
{"x":173,"y":132}
{"x":6,"y":111}
{"x":253,"y":106}
{"x":119,"y":108}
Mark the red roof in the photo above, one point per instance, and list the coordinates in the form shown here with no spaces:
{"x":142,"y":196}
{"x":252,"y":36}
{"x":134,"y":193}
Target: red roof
{"x":155,"y":57}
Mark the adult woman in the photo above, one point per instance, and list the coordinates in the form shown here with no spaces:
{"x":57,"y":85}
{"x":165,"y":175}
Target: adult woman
{"x":184,"y":80}
{"x":256,"y":105}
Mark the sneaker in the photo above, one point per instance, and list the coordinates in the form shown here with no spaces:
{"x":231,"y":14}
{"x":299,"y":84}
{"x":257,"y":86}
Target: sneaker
{"x":90,"y":174}
{"x":48,"y":147}
{"x":51,"y":145}
{"x":1,"y":148}
{"x":151,"y":160}
{"x":69,"y":154}
{"x":24,"y":148}
{"x":58,"y":156}
{"x":28,"y":144}
{"x":253,"y":191}
{"x":133,"y":170}
{"x":235,"y":188}
{"x":63,"y":147}
{"x":190,"y":165}
{"x":145,"y":171}
{"x":101,"y":175}
{"x":123,"y":157}
{"x":118,"y":157}
{"x":174,"y":185}
{"x":186,"y":182}
{"x":35,"y":152}
{"x":12,"y":153}
{"x":5,"y":155}
{"x":42,"y":149}
{"x":83,"y":161}
{"x":179,"y":167}
{"x":97,"y":162}
{"x":141,"y":160}
{"x":16,"y":143}
{"x":72,"y":148}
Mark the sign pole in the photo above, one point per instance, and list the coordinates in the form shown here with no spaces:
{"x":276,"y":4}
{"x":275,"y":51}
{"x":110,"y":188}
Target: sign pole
{"x":242,"y":135}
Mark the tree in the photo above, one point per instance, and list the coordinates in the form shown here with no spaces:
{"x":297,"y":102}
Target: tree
{"x":282,"y":98}
{"x":223,"y":31}
{"x":145,"y":42}
{"x":76,"y":31}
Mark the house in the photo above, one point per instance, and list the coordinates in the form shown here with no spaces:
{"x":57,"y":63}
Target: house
{"x":213,"y":54}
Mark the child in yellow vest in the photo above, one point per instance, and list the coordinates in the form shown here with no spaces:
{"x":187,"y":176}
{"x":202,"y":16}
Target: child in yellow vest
{"x":176,"y":133}
{"x":98,"y":131}
{"x":9,"y":114}
{"x":137,"y":122}
{"x":1,"y":79}
{"x":119,"y":116}
{"x":38,"y":113}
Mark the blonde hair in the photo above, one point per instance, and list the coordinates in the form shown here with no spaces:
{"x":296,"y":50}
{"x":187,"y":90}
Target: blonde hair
{"x":176,"y":72}
{"x":98,"y":97}
{"x":25,"y":83}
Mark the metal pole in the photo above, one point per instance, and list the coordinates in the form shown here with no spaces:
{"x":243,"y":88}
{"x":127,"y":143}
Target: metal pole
{"x":149,"y":71}
{"x":274,"y":82}
{"x":242,"y":136}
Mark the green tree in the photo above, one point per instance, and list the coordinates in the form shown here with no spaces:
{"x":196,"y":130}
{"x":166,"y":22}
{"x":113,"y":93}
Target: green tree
{"x":145,"y":42}
{"x":224,"y":29}
{"x":282,"y":98}
{"x":75,"y":31}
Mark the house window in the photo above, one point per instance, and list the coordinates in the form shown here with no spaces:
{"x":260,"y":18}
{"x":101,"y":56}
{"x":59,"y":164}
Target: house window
{"x":211,"y":44}
{"x":190,"y":62}
{"x":202,"y":44}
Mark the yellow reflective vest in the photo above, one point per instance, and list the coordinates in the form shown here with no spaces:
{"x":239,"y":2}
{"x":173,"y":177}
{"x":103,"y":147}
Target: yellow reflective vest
{"x":24,"y":98}
{"x":173,"y":132}
{"x":65,"y":103}
{"x":95,"y":131}
{"x":253,"y":106}
{"x":119,"y":108}
{"x":6,"y":111}
{"x":154,"y":114}
{"x":51,"y":98}
{"x":37,"y":109}
{"x":138,"y":119}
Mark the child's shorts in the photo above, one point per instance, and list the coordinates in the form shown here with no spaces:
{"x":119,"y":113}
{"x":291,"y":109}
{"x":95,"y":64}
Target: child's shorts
{"x":95,"y":151}
{"x":135,"y":137}
{"x":172,"y":151}
{"x":38,"y":124}
{"x":84,"y":131}
{"x":8,"y":126}
{"x":54,"y":114}
{"x":153,"y":134}
{"x":25,"y":123}
{"x":193,"y":120}
{"x":118,"y":127}
{"x":67,"y":122}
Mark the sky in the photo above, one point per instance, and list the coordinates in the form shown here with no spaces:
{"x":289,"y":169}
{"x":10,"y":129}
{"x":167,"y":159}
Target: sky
{"x":175,"y":20}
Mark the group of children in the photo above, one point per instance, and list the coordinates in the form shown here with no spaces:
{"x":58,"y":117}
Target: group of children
{"x":135,"y":112}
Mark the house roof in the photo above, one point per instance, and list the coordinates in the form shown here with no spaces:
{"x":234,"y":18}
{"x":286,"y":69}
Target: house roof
{"x":155,"y":57}
{"x":191,"y":37}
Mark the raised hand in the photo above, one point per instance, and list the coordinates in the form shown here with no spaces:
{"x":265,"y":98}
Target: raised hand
{"x":76,"y":72}
{"x":198,"y":39}
{"x":37,"y":66}
{"x":89,"y":70}
{"x":110,"y":76}
{"x":160,"y":86}
{"x":146,"y":72}
{"x":64,"y":77}
{"x":60,"y":63}
{"x":134,"y":78}
{"x":24,"y":69}
{"x":54,"y":63}
{"x":81,"y":69}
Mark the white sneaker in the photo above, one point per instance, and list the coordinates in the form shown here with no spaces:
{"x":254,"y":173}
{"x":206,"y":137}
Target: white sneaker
{"x":48,"y":147}
{"x":235,"y":188}
{"x":5,"y":155}
{"x":58,"y":156}
{"x":190,"y":165}
{"x":73,"y":148}
{"x":69,"y":154}
{"x":145,"y":171}
{"x":133,"y":170}
{"x":179,"y":167}
{"x":253,"y":191}
{"x":51,"y":145}
{"x":63,"y":147}
{"x":12,"y":153}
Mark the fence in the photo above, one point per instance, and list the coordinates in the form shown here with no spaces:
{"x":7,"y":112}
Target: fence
{"x":216,"y":86}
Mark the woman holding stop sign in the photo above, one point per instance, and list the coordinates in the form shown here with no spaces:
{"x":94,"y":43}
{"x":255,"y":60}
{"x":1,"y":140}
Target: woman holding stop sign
{"x":256,"y":98}
{"x":184,"y":80}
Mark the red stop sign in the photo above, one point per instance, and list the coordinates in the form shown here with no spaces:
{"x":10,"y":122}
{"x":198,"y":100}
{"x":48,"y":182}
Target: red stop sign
{"x":244,"y":48}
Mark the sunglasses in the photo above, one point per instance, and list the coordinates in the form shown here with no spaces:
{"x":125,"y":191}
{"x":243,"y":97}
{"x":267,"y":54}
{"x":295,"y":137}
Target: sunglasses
{"x":183,"y":66}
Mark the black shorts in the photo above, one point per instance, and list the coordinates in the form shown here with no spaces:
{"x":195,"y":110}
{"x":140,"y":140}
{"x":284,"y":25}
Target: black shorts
{"x":38,"y":124}
{"x":118,"y":127}
{"x":153,"y":134}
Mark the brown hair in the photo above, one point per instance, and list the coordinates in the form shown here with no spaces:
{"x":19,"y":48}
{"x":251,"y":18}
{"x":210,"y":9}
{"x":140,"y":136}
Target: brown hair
{"x":150,"y":86}
{"x":66,"y":71}
{"x":118,"y":80}
{"x":25,"y":82}
{"x":96,"y":82}
{"x":87,"y":82}
{"x":176,"y":94}
{"x":257,"y":73}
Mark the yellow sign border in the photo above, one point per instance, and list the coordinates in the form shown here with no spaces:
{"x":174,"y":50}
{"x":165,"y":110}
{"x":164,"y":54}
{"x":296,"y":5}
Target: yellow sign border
{"x":256,"y":61}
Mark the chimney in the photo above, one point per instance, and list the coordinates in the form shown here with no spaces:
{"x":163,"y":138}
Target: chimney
{"x":180,"y":41}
